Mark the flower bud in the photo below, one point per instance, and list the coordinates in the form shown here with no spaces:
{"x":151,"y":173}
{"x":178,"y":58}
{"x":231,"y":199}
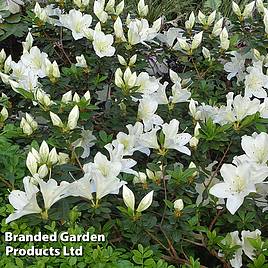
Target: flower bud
{"x":67,"y":97}
{"x":3,"y":114}
{"x":206,"y":53}
{"x":183,"y":44}
{"x":145,"y":202}
{"x":189,"y":24}
{"x":236,"y":9}
{"x":140,"y":178}
{"x":53,"y":157}
{"x":76,"y":98}
{"x":132,"y":60}
{"x":197,"y":40}
{"x":56,"y":121}
{"x":178,"y":204}
{"x":248,"y":9}
{"x":121,"y":60}
{"x":211,"y":18}
{"x":81,"y":61}
{"x":224,"y":39}
{"x":44,"y":152}
{"x":128,"y":198}
{"x":118,"y":78}
{"x":31,"y":163}
{"x":73,"y":118}
{"x":2,"y":56}
{"x":63,"y":158}
{"x":202,"y":17}
{"x":217,"y":27}
{"x":142,"y":9}
{"x":119,"y":8}
{"x":43,"y":171}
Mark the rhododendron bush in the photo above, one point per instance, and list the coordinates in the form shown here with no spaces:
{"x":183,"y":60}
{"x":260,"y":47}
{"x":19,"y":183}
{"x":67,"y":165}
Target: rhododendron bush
{"x":153,"y":133}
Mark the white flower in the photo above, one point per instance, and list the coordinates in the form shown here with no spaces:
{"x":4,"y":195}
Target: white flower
{"x":86,"y":142}
{"x":24,"y":202}
{"x":236,"y":67}
{"x":255,"y":147}
{"x":36,"y":60}
{"x":146,"y":113}
{"x":102,"y":44}
{"x":52,"y":192}
{"x":173,"y":140}
{"x":76,"y":22}
{"x":238,"y":183}
{"x":217,"y":27}
{"x":256,"y":81}
{"x":149,"y":139}
{"x":234,"y":240}
{"x":82,"y":187}
{"x":81,"y":61}
{"x":178,"y":204}
{"x":246,"y":245}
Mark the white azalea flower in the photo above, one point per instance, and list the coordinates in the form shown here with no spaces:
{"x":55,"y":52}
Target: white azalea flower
{"x":24,"y":202}
{"x":246,"y":245}
{"x":236,"y":67}
{"x":238,"y":183}
{"x":86,"y":141}
{"x":52,"y":192}
{"x":173,"y":140}
{"x":256,"y":82}
{"x":255,"y":147}
{"x":146,"y":113}
{"x":76,"y":22}
{"x":102,"y":44}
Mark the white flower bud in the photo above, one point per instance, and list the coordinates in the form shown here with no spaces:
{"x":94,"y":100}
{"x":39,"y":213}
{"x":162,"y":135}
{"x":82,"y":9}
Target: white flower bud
{"x":236,"y":9}
{"x":202,"y":17}
{"x":31,"y":163}
{"x":183,"y":44}
{"x":211,"y":18}
{"x":206,"y":53}
{"x":119,"y":8}
{"x":76,"y":98}
{"x":118,"y":78}
{"x":73,"y":118}
{"x":189,"y":24}
{"x":121,"y":60}
{"x":110,"y":6}
{"x":260,"y":6}
{"x":140,"y":178}
{"x":44,"y":152}
{"x":3,"y":114}
{"x":56,"y":121}
{"x":217,"y":27}
{"x":87,"y":96}
{"x":145,"y":202}
{"x":197,"y":40}
{"x":43,"y":171}
{"x":7,"y":65}
{"x":224,"y":39}
{"x":67,"y":97}
{"x":142,"y":9}
{"x":81,"y":61}
{"x":130,"y":78}
{"x":63,"y":158}
{"x":132,"y":60}
{"x":248,"y":9}
{"x":178,"y":204}
{"x":2,"y":56}
{"x":53,"y":157}
{"x":128,"y":198}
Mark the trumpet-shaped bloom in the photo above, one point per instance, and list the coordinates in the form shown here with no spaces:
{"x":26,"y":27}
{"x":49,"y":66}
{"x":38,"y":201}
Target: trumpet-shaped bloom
{"x":102,"y":44}
{"x":24,"y":202}
{"x":255,"y":147}
{"x":52,"y":192}
{"x":173,"y":140}
{"x":76,"y":22}
{"x":239,"y":181}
